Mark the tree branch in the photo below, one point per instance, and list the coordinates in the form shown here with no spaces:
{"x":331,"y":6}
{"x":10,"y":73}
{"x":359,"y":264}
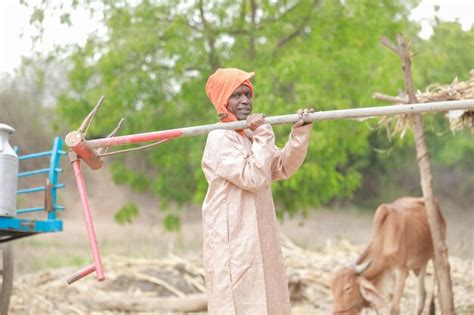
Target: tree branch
{"x":285,"y":40}
{"x":388,"y":43}
{"x":279,"y":17}
{"x":389,"y":98}
{"x":253,"y":11}
{"x":213,"y":58}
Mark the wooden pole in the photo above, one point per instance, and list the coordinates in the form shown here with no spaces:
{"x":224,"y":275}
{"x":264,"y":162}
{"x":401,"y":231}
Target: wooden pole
{"x":86,"y":149}
{"x":352,"y":113}
{"x":440,"y":249}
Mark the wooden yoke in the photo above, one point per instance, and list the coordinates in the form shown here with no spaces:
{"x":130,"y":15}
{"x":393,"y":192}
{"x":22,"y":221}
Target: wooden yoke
{"x":76,"y":142}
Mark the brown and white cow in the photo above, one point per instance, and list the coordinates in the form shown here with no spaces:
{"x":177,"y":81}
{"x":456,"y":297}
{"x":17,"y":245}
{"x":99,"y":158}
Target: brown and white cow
{"x":401,"y":241}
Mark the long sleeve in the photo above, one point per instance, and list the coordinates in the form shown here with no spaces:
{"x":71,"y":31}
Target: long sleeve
{"x":224,"y":154}
{"x":286,"y":161}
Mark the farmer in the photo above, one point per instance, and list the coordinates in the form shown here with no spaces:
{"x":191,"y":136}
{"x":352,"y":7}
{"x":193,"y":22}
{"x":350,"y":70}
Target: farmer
{"x":241,"y":247}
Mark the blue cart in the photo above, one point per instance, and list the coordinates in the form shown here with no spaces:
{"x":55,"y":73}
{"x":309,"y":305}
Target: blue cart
{"x":12,"y":228}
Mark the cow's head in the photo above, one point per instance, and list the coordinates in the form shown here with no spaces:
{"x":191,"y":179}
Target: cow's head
{"x":352,"y":292}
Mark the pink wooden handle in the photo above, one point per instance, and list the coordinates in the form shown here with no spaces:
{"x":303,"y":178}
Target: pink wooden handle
{"x":97,"y":266}
{"x":81,"y":274}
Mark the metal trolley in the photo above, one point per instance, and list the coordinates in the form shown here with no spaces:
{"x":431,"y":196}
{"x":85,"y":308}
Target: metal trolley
{"x":12,"y":225}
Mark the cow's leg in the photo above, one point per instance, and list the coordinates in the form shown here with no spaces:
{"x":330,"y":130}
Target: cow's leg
{"x":420,"y":291}
{"x":399,"y":286}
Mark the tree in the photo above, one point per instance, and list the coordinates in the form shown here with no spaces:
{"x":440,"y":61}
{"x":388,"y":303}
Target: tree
{"x":23,"y":104}
{"x":154,"y":61}
{"x":445,"y":56}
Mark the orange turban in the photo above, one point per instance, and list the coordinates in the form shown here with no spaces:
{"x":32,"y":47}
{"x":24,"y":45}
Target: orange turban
{"x":220,"y":86}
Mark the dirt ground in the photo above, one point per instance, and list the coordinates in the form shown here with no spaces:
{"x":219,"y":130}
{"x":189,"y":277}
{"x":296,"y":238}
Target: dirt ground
{"x":145,"y":237}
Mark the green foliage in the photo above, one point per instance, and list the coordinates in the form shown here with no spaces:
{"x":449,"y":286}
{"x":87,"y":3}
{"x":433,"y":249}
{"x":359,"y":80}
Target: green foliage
{"x":309,"y":53}
{"x":172,"y":223}
{"x":66,"y":19}
{"x":153,"y":63}
{"x":455,"y":149}
{"x":37,"y":16}
{"x":447,"y":55}
{"x":122,"y":174}
{"x":126,"y":214}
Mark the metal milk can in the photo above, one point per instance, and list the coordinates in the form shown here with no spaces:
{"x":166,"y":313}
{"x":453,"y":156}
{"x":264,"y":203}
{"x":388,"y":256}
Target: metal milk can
{"x":8,"y":173}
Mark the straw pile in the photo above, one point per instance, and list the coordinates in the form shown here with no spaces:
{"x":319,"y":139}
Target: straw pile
{"x":136,"y":285}
{"x":458,"y":119}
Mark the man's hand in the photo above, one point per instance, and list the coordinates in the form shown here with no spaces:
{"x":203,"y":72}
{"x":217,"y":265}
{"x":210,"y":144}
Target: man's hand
{"x":303,"y":113}
{"x":255,"y":120}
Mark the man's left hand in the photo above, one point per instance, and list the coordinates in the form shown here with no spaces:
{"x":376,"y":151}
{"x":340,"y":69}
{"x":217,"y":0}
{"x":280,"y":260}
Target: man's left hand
{"x":303,"y":113}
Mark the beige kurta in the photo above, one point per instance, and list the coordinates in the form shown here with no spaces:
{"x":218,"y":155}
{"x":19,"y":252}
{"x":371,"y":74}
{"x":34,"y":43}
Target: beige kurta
{"x":241,"y":246}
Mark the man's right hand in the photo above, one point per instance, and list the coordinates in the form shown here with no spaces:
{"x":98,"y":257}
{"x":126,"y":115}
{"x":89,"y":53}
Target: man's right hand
{"x":255,"y":120}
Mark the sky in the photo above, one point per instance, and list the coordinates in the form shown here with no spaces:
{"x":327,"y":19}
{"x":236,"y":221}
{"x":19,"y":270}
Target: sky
{"x":15,"y":31}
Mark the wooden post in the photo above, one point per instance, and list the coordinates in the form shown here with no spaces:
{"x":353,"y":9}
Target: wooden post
{"x":440,"y":249}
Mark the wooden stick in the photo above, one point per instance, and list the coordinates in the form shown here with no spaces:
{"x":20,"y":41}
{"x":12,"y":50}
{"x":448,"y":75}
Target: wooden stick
{"x":87,"y":150}
{"x":433,"y":212}
{"x":389,"y":98}
{"x":284,"y":119}
{"x":388,"y":43}
{"x":160,"y":282}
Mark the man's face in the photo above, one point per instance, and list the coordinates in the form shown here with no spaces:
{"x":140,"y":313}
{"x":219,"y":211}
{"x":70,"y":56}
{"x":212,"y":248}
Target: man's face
{"x":240,"y":102}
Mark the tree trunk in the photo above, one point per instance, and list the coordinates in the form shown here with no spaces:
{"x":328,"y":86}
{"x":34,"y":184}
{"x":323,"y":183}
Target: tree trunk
{"x":441,"y":262}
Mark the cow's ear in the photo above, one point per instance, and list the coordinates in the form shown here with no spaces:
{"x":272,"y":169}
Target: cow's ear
{"x":370,"y":293}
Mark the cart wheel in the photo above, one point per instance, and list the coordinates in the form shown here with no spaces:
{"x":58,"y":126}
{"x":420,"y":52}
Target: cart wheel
{"x":6,"y":274}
